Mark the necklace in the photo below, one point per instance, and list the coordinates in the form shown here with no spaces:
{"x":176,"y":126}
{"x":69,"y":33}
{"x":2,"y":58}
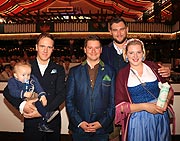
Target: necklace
{"x":143,"y":84}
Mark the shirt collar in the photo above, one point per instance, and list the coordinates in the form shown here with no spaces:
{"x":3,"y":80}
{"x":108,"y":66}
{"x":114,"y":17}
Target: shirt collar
{"x":119,"y":51}
{"x":42,"y":68}
{"x":42,"y":64}
{"x":90,"y":64}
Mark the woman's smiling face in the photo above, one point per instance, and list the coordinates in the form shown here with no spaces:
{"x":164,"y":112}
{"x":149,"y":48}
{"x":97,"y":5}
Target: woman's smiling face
{"x":135,"y":54}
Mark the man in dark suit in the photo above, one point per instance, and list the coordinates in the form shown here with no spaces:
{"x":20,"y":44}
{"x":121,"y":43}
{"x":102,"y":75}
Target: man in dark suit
{"x":112,"y":53}
{"x":51,"y":77}
{"x":90,"y":96}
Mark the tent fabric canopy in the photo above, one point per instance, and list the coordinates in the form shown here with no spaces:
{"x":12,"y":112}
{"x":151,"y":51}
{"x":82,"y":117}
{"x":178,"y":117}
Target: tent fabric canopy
{"x":132,"y":10}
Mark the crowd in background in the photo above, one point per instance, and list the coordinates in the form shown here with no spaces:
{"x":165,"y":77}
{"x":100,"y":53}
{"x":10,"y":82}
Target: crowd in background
{"x":7,"y":63}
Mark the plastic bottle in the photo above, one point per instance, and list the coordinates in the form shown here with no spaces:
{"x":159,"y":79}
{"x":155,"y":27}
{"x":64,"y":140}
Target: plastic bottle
{"x":163,"y":94}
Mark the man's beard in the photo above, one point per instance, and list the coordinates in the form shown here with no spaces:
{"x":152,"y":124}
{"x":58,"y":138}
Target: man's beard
{"x":120,"y":42}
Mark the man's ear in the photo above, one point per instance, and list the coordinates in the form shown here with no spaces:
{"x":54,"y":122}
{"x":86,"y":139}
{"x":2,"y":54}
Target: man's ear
{"x":110,"y":31}
{"x":36,"y":47}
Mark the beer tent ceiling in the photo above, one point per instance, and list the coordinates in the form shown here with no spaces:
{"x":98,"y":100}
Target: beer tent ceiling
{"x":33,"y":11}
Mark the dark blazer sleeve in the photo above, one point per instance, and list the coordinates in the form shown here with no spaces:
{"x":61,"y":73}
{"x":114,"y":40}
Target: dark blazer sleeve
{"x":72,"y":111}
{"x":104,"y":55}
{"x":60,"y":90}
{"x":107,"y":119}
{"x":13,"y":101}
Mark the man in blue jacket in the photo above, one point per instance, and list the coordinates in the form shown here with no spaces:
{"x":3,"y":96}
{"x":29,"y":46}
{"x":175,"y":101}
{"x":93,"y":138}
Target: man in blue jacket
{"x":90,"y":96}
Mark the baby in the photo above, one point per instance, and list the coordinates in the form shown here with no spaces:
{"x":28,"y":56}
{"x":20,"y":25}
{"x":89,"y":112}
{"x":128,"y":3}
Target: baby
{"x":24,"y":85}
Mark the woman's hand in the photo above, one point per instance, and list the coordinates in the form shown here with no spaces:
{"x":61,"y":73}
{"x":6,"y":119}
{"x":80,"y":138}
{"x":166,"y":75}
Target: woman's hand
{"x":153,"y":108}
